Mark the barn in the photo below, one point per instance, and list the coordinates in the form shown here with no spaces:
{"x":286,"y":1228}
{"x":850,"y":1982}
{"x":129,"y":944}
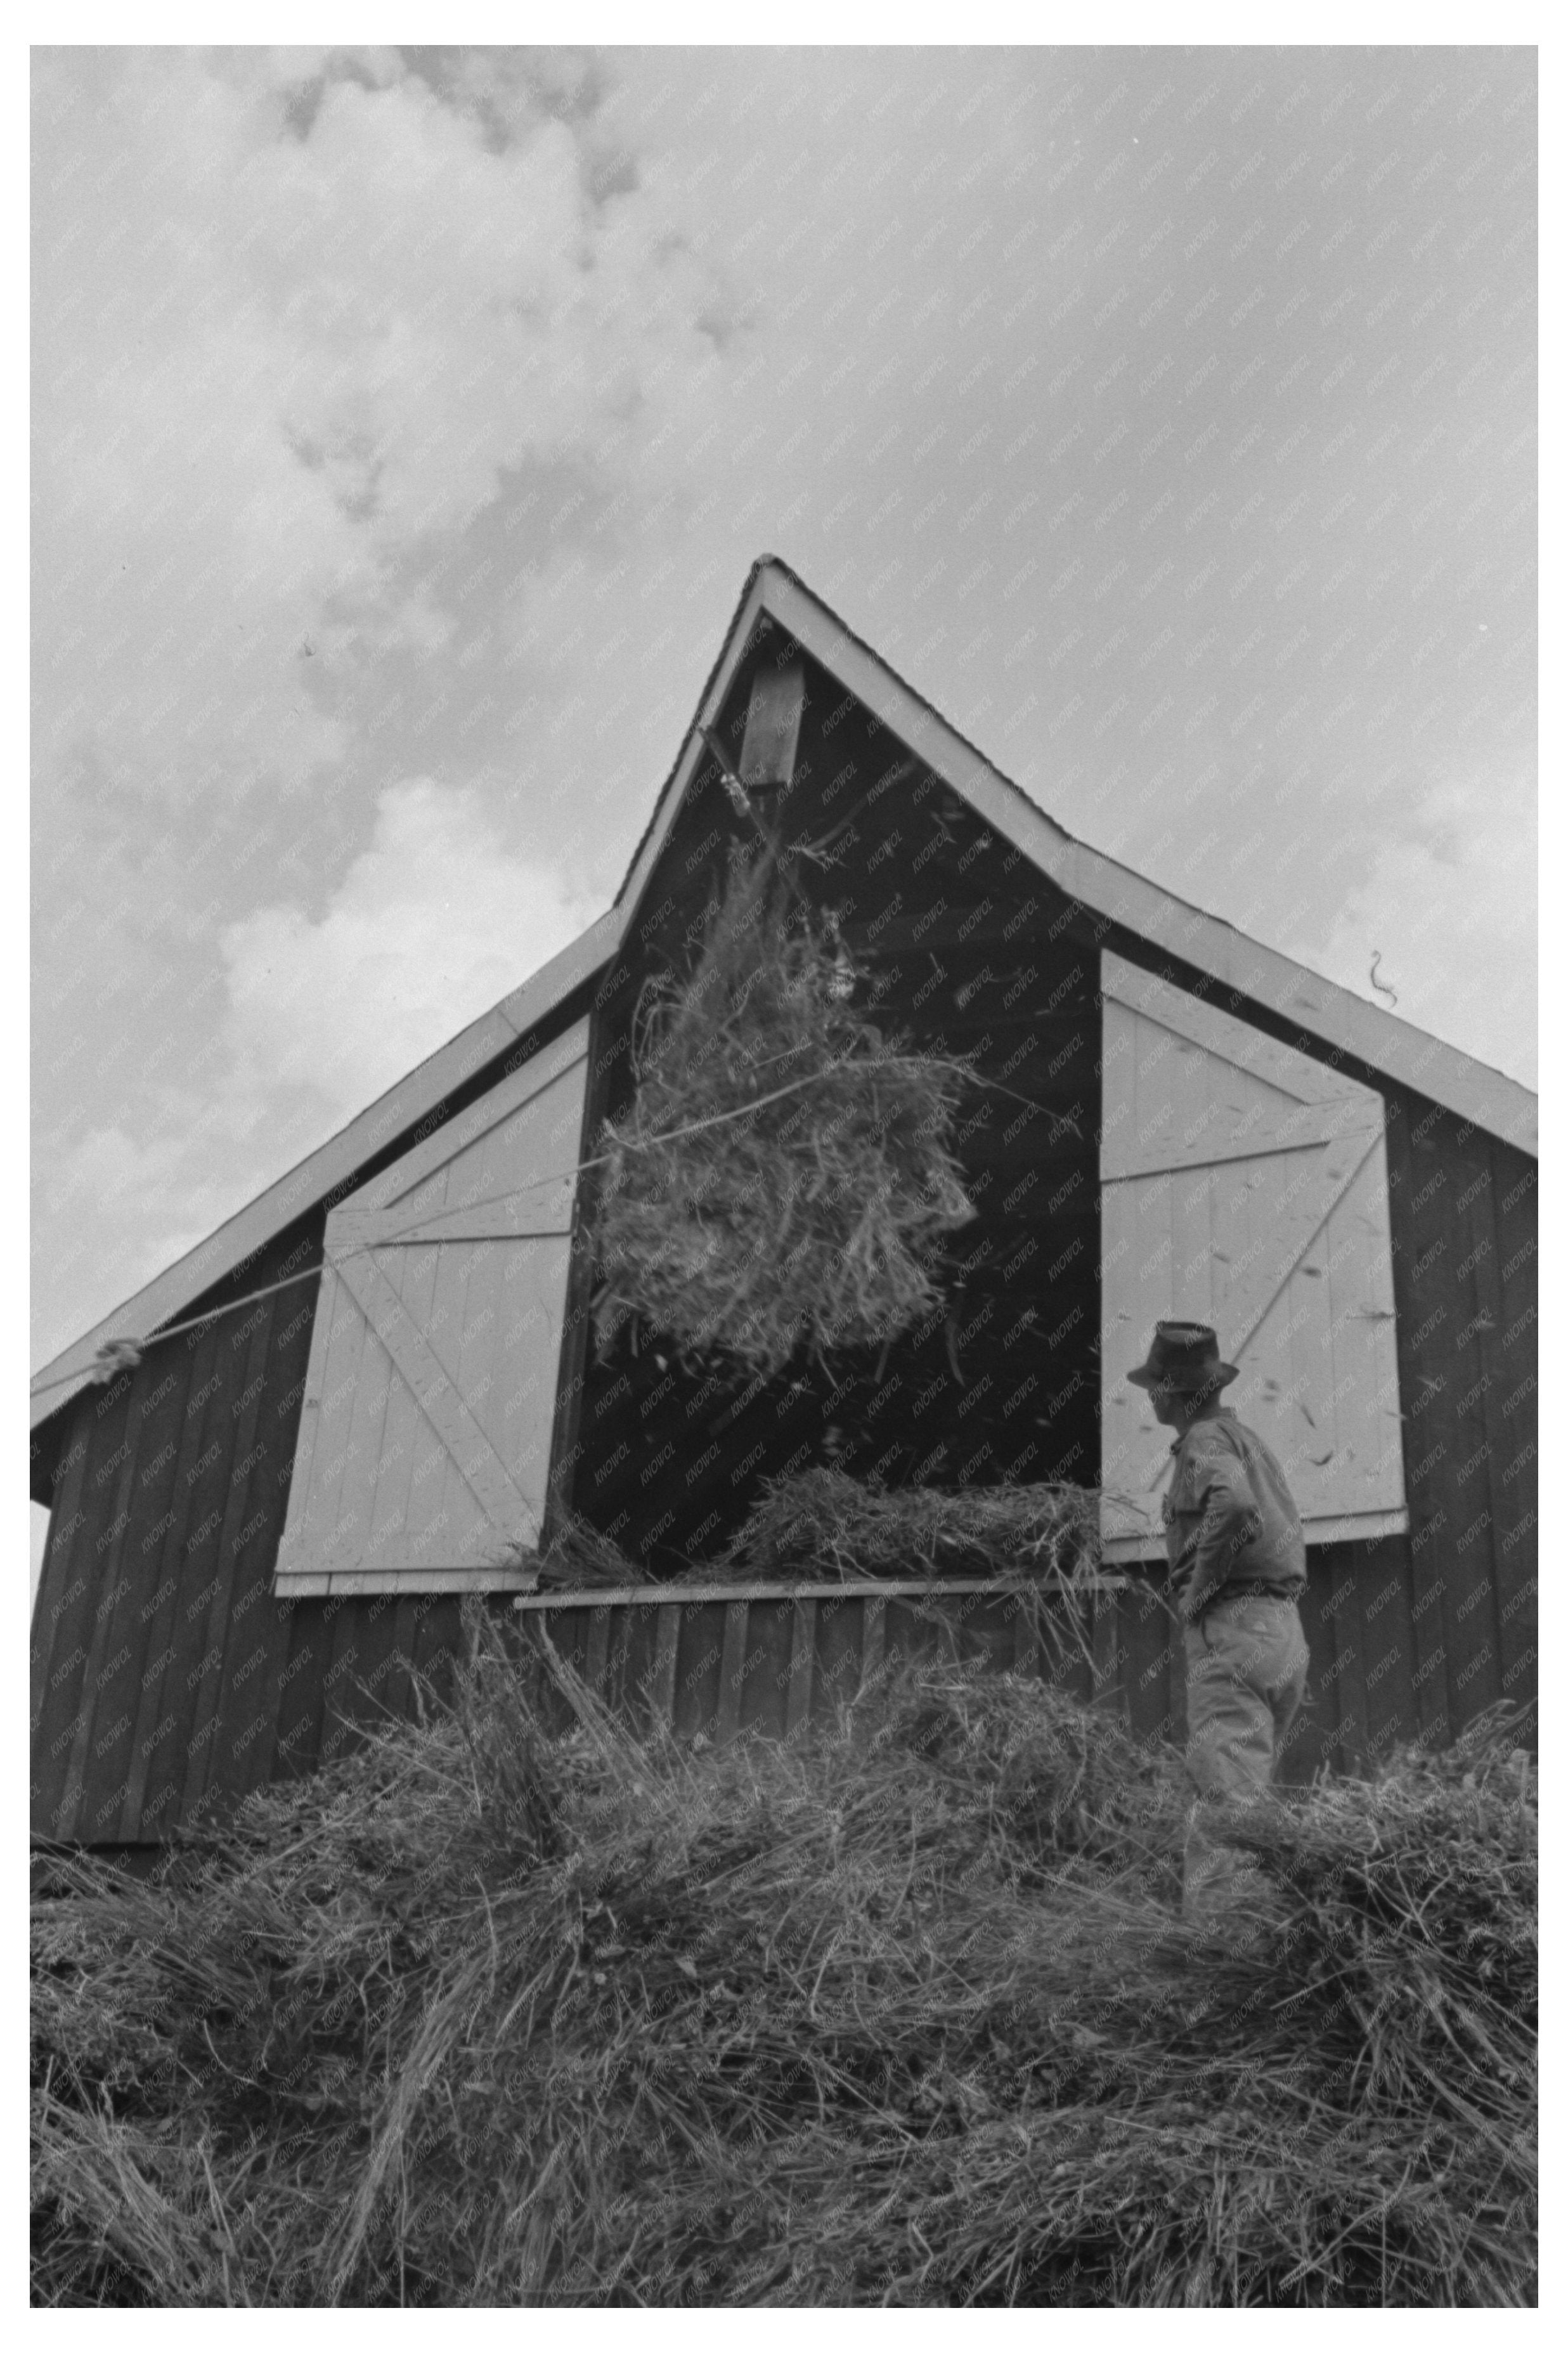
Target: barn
{"x":377,"y":1388}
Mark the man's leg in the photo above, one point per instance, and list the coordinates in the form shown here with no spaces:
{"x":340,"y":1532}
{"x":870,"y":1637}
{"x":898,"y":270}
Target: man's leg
{"x":1289,"y":1687}
{"x":1246,"y":1673}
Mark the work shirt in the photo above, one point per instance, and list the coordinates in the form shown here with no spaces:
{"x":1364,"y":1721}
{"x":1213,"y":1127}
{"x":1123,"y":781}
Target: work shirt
{"x":1231,"y":1522}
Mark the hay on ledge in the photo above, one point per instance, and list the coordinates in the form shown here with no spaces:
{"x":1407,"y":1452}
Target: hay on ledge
{"x":824,"y":1524}
{"x":785,"y":1172}
{"x":578,"y":1558}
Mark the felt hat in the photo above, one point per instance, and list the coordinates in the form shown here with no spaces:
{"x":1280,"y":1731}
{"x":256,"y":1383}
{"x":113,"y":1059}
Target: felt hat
{"x":1185,"y":1358}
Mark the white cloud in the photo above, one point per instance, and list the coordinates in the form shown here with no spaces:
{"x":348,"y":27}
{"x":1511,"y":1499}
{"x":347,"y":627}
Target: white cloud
{"x":431,"y":925}
{"x":299,"y":319}
{"x":276,"y":373}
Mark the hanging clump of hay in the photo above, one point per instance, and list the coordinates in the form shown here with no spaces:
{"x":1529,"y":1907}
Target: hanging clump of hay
{"x":786,"y":1173}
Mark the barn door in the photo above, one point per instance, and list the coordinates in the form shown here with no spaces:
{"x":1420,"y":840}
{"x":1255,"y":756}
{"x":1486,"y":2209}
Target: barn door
{"x":1246,"y":1186}
{"x":422,"y":1459}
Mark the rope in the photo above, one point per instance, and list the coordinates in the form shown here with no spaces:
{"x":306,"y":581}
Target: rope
{"x":122,"y":1355}
{"x":742,"y":1110}
{"x":117,"y":1357}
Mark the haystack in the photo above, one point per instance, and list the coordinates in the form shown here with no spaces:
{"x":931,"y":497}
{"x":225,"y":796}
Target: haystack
{"x":895,"y":2014}
{"x":785,"y":1174}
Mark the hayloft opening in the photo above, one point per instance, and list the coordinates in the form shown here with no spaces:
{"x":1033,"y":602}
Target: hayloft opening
{"x":965,"y":948}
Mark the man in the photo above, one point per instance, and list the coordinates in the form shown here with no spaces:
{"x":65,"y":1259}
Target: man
{"x":1237,"y":1568}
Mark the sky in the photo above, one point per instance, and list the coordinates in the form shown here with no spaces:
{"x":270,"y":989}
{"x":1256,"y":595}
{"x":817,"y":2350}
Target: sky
{"x":404,"y":425}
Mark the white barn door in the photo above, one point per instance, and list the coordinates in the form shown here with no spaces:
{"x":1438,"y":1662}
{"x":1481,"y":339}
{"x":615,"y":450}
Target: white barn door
{"x":1246,"y":1186}
{"x":424,"y":1452}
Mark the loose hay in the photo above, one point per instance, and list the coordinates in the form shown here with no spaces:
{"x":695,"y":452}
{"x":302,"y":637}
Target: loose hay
{"x":822,"y":1523}
{"x":579,"y":1557}
{"x":896,"y":2014}
{"x":809,"y":1220}
{"x":1041,"y":1541}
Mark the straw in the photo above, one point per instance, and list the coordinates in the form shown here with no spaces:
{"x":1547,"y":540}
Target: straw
{"x":895,"y":2013}
{"x":812,"y":1224}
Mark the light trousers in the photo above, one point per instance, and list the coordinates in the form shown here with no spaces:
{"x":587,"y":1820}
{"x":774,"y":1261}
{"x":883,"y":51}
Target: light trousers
{"x":1247,"y":1670}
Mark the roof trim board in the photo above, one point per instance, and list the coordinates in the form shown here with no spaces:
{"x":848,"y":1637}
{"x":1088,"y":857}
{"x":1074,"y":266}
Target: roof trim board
{"x":1319,"y":1007}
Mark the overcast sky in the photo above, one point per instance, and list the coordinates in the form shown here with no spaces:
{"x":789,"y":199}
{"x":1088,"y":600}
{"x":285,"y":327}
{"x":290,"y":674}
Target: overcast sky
{"x":405,"y":425}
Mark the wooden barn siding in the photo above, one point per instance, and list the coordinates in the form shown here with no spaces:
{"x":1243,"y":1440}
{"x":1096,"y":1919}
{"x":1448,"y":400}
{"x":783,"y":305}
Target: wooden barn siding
{"x":721,"y":1669}
{"x":173,"y":1679}
{"x":321,"y":1667}
{"x":165,"y":1676}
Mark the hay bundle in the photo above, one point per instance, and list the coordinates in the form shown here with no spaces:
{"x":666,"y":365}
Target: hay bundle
{"x":895,"y":2014}
{"x":785,"y":1172}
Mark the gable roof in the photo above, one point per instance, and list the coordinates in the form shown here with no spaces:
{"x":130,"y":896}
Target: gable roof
{"x":1319,"y":1008}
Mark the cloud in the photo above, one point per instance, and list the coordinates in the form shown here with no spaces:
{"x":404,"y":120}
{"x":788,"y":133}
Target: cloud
{"x":315,"y":322}
{"x":334,"y":353}
{"x":1449,"y":901}
{"x":431,"y":925}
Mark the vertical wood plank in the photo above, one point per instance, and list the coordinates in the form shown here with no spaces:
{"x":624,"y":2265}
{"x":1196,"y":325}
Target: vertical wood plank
{"x":598,"y":1648}
{"x":209,"y":1690}
{"x":1425,"y":1395}
{"x":105,"y":1580}
{"x":622,"y":1635}
{"x":769,"y":1633}
{"x":871,"y":1643}
{"x":438,"y":1640}
{"x":117,"y":1672}
{"x":697,"y":1672}
{"x":661,"y":1682}
{"x":252,"y":1751}
{"x":1349,"y":1660}
{"x":1503,"y":1237}
{"x":1387,"y":1655}
{"x":296,"y":1715}
{"x":732,"y":1670}
{"x":1109,"y":1690}
{"x":399,"y":1694}
{"x":802,"y":1658}
{"x":334,"y":1714}
{"x":1147,"y":1636}
{"x":1025,"y":1641}
{"x":62,"y":1565}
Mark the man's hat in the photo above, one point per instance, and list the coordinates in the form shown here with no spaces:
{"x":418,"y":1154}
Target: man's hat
{"x":1185,"y":1358}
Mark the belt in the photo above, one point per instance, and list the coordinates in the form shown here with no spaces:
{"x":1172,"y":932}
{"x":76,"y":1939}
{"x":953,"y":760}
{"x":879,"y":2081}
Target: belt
{"x":1291,"y":1593}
